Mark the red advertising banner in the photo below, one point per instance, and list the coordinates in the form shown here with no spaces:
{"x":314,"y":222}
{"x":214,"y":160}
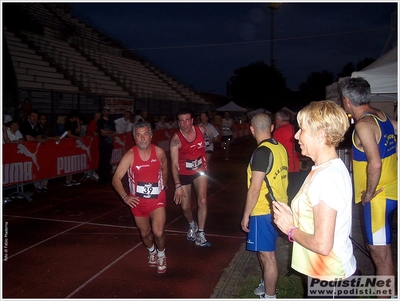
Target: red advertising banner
{"x":32,"y":161}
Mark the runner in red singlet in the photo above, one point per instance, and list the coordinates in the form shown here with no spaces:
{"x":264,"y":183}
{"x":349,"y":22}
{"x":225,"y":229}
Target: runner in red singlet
{"x":147,"y":168}
{"x":189,"y":166}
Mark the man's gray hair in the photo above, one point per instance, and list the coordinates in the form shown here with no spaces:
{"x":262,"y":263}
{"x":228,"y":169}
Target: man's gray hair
{"x":141,"y":124}
{"x":283,"y":115}
{"x":357,"y":90}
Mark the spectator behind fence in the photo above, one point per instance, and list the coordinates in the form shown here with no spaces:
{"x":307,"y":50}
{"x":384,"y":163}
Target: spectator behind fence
{"x":59,"y":127}
{"x":106,"y":130}
{"x":284,"y":134}
{"x":172,"y":123}
{"x":141,"y":117}
{"x":91,"y":129}
{"x":31,"y":129}
{"x":82,"y":133}
{"x":12,"y":133}
{"x":161,"y":124}
{"x":46,"y":130}
{"x":73,"y":127}
{"x":122,"y":125}
{"x":33,"y":132}
{"x":320,"y":225}
{"x":374,"y":169}
{"x":147,"y":167}
{"x":41,"y":186}
{"x":266,"y":177}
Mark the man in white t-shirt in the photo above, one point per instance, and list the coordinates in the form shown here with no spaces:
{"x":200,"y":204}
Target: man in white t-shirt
{"x":228,"y":129}
{"x":122,"y":124}
{"x":210,"y":136}
{"x":13,"y":134}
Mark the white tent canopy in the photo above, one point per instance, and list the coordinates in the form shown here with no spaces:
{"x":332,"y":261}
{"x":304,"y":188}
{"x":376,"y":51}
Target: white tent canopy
{"x":382,"y":77}
{"x":381,"y":74}
{"x":260,"y":110}
{"x":231,"y":107}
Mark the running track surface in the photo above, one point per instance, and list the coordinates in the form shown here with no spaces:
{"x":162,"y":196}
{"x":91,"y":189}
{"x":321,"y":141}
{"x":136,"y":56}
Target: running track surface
{"x":81,"y":241}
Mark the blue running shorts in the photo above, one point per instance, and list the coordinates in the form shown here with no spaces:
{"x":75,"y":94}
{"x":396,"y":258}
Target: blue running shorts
{"x":383,"y":236}
{"x":263,"y":234}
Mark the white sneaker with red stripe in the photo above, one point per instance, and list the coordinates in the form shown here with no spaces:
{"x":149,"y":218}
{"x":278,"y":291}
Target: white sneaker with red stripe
{"x":161,"y":264}
{"x":153,"y":259}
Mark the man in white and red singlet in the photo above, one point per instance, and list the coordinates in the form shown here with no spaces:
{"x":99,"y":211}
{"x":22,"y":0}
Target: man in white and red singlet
{"x":189,"y":166}
{"x":147,"y":168}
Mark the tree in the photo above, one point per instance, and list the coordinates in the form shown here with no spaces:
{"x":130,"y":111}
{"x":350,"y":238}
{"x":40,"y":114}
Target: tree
{"x":364,"y":63}
{"x":314,"y":88}
{"x":349,"y":68}
{"x":346,"y":70}
{"x":259,"y":86}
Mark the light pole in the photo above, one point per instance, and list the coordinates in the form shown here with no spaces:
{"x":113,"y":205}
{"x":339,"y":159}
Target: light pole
{"x":273,"y":7}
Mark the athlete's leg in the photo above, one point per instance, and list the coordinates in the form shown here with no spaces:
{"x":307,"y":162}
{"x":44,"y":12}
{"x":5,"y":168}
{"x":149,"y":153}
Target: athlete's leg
{"x":158,"y":218}
{"x":143,"y":224}
{"x":382,"y":257}
{"x":200,"y":185}
{"x":186,"y":203}
{"x":270,"y":271}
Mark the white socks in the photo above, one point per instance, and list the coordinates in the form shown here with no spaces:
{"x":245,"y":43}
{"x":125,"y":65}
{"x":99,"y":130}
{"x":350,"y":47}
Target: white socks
{"x":265,"y":296}
{"x":159,"y":253}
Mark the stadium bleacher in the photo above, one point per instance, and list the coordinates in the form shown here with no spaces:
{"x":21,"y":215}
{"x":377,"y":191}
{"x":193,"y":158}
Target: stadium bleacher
{"x":57,"y":53}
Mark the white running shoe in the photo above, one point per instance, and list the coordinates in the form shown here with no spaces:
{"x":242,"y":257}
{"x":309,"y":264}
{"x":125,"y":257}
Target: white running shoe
{"x":152,"y":259}
{"x":191,"y":235}
{"x":161,"y":264}
{"x":201,"y":240}
{"x":260,"y":290}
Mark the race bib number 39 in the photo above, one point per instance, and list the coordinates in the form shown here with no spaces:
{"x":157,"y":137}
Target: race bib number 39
{"x":193,"y":164}
{"x":147,"y":190}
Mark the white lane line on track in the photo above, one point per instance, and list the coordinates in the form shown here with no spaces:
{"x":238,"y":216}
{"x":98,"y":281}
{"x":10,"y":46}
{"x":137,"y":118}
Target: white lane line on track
{"x":47,"y":239}
{"x":101,"y":271}
{"x":96,"y":233}
{"x":105,"y":225}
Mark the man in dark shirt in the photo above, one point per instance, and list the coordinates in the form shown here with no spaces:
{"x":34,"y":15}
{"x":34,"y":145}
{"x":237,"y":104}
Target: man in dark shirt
{"x":72,"y":124}
{"x":32,"y":131}
{"x":47,"y":132}
{"x":106,"y":129}
{"x":73,"y":127}
{"x":30,"y":128}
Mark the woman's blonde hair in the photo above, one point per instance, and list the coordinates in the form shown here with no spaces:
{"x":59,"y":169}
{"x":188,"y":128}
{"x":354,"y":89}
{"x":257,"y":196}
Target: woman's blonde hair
{"x":61,"y":119}
{"x":327,"y":116}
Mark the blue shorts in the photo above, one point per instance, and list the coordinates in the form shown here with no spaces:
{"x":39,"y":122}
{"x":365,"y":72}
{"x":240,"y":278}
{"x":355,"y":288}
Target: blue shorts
{"x":382,"y":236}
{"x":263,"y":234}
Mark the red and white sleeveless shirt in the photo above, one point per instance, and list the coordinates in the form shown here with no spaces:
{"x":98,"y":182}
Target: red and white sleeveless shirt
{"x":192,"y":155}
{"x":145,"y":177}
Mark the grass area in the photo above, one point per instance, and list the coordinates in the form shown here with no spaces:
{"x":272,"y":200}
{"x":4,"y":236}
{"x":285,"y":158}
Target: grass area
{"x":288,"y":287}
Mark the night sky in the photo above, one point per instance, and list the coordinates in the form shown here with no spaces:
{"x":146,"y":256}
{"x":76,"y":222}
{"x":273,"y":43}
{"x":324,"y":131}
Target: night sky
{"x":201,"y":44}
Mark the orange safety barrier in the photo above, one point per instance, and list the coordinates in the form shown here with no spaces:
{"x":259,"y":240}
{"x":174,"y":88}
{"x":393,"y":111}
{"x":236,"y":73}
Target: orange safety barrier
{"x":34,"y":161}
